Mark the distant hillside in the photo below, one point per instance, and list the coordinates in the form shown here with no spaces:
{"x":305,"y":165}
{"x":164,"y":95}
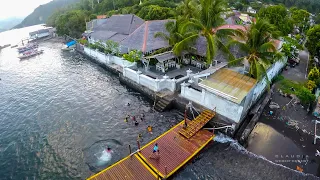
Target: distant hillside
{"x":41,"y":13}
{"x":6,"y":24}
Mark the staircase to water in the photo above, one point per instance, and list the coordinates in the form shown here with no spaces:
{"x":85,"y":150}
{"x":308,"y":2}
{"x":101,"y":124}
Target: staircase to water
{"x":162,"y":104}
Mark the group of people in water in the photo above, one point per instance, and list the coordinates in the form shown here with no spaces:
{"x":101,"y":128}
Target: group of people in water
{"x":149,"y":129}
{"x":136,"y":123}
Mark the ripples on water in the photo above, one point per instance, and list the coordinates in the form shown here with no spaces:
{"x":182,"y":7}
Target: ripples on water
{"x":58,"y":110}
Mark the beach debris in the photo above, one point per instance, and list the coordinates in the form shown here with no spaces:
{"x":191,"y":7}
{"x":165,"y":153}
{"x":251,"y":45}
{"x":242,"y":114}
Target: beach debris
{"x":281,"y":93}
{"x":299,"y":169}
{"x":274,"y":105}
{"x":293,"y":124}
{"x":317,"y":153}
{"x":270,"y":112}
{"x":301,"y":139}
{"x":304,"y":131}
{"x":292,"y":89}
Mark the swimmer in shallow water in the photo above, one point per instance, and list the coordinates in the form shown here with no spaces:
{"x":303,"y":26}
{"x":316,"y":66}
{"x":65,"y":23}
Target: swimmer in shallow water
{"x":126,"y":118}
{"x":149,"y":129}
{"x":136,"y":123}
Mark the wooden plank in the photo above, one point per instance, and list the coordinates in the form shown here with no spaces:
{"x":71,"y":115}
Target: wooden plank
{"x":132,"y":168}
{"x":196,"y":124}
{"x":174,"y":150}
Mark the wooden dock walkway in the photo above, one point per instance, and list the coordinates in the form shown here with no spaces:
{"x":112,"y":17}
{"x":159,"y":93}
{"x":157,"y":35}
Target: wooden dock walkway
{"x":175,"y":150}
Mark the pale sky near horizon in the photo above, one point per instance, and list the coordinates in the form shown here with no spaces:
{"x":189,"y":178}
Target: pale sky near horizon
{"x":18,"y":8}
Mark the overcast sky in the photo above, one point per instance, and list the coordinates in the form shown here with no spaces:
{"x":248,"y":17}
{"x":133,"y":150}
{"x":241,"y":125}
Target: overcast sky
{"x":18,"y":8}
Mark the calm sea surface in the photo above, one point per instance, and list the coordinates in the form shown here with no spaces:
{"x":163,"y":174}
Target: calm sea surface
{"x":59,"y":111}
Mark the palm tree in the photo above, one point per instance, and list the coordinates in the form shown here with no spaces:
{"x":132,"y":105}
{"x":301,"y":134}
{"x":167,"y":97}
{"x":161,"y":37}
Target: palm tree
{"x":258,"y":43}
{"x":206,"y":24}
{"x":174,"y":35}
{"x":187,"y":9}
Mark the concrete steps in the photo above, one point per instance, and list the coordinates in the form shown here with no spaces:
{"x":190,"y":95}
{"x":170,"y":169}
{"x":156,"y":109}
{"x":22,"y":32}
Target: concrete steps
{"x":162,"y":105}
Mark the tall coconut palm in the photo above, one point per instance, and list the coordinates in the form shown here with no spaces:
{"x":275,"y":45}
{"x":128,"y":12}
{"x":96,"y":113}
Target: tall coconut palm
{"x":188,"y":9}
{"x":206,"y":24}
{"x":259,"y":44}
{"x":174,"y":35}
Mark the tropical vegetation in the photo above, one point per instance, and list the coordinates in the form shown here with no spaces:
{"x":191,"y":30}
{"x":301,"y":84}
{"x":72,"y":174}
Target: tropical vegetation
{"x":313,"y":43}
{"x":206,"y":23}
{"x":279,"y":17}
{"x":259,"y":45}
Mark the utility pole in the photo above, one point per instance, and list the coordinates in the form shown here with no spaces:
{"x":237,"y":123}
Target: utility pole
{"x":114,"y":7}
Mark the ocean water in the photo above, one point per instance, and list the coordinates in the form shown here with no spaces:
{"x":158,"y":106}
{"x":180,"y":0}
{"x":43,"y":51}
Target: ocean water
{"x":59,"y":112}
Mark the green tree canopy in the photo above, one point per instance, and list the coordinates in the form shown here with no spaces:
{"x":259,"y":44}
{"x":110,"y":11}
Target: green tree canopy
{"x":278,"y":16}
{"x":313,"y":43}
{"x":300,"y":18}
{"x":71,"y":23}
{"x":154,"y":12}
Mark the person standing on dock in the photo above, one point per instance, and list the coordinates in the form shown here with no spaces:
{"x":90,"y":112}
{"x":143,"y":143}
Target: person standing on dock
{"x":155,"y":150}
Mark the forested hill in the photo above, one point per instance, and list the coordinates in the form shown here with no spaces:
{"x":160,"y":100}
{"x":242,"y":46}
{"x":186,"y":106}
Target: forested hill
{"x":41,"y":13}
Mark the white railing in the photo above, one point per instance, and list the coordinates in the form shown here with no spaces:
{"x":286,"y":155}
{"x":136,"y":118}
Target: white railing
{"x":153,"y":84}
{"x":107,"y":59}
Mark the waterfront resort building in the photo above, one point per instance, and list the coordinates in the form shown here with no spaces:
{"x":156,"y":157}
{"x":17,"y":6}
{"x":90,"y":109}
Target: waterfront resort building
{"x":226,"y":89}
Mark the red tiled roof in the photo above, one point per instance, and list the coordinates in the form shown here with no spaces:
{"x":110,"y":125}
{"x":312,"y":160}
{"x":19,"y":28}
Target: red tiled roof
{"x":101,"y":16}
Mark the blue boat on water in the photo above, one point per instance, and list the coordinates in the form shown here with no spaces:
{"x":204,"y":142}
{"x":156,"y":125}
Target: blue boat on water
{"x":71,"y":43}
{"x":69,"y":46}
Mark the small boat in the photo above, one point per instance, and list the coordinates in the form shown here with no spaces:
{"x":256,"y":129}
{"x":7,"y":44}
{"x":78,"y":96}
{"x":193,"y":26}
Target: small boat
{"x":30,"y":53}
{"x":4,"y":46}
{"x":27,"y":47}
{"x":70,"y":46}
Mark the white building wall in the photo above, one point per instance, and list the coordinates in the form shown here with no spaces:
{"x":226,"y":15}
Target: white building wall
{"x":225,"y":107}
{"x":107,"y":59}
{"x":211,"y":101}
{"x":150,"y":83}
{"x":272,"y":72}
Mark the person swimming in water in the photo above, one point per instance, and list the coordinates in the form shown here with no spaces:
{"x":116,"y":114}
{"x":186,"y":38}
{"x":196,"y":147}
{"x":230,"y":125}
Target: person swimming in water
{"x":109,"y":150}
{"x":149,"y":129}
{"x":126,"y":118}
{"x":136,"y":123}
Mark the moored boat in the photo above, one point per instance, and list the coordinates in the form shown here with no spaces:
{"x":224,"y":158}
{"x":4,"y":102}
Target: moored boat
{"x":4,"y":46}
{"x":27,"y":48}
{"x":30,"y":53}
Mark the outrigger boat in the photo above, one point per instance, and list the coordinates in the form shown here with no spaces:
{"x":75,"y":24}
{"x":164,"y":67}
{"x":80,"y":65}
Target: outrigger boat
{"x":27,"y":48}
{"x":30,"y":53}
